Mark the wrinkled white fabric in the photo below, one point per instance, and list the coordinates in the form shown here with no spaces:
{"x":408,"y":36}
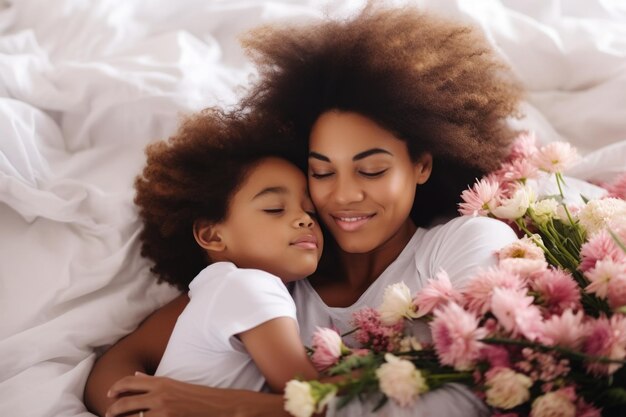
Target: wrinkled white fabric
{"x":85,"y":85}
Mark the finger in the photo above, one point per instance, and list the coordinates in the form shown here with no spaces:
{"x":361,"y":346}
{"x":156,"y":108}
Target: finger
{"x":127,"y":405}
{"x":131,"y":384}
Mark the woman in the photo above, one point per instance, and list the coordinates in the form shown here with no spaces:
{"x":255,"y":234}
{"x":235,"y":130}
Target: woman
{"x":402,"y":111}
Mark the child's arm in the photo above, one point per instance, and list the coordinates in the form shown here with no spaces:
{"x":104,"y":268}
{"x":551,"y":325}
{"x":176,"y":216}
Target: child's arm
{"x":277,"y":350}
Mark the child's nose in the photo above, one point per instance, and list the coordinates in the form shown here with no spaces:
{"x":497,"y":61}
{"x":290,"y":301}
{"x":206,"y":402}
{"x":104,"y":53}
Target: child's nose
{"x":304,"y":221}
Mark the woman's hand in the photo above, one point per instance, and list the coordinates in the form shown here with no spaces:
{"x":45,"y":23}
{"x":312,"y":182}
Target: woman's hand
{"x":165,"y":397}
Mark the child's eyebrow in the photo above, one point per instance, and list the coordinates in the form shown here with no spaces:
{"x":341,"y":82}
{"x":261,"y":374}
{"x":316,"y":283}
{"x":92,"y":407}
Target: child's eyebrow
{"x":271,"y":190}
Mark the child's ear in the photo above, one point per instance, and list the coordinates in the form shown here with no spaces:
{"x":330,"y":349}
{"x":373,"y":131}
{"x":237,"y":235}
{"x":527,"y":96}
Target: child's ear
{"x":423,"y":167}
{"x":208,"y":236}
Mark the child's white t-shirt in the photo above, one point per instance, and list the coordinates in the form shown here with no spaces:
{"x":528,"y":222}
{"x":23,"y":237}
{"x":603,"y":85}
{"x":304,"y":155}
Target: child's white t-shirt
{"x":224,"y":301}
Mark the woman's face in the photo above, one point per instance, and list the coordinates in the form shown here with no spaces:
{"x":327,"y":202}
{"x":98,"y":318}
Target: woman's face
{"x":362,"y":180}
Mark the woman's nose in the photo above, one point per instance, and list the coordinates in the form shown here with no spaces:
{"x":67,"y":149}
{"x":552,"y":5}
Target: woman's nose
{"x":347,"y":191}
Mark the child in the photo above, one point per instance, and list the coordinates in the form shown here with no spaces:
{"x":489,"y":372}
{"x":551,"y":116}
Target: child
{"x":220,"y":203}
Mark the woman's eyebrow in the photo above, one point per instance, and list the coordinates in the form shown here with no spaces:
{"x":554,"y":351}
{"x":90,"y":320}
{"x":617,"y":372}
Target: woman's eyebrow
{"x":370,"y":152}
{"x":319,"y":156}
{"x":356,"y":157}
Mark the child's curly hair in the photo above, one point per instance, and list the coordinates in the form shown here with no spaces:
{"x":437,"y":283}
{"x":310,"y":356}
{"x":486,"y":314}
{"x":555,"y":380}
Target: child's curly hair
{"x":433,"y":83}
{"x":193,"y":175}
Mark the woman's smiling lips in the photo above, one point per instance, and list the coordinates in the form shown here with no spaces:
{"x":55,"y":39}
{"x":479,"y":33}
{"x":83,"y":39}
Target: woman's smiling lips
{"x":351,"y":222}
{"x":305,"y":242}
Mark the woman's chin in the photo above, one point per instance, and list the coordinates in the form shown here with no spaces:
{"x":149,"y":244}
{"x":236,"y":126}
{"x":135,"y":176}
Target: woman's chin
{"x":356,"y":245}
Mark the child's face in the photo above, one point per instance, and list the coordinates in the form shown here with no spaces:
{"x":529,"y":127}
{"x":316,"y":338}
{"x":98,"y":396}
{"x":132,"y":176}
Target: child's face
{"x":271,"y":224}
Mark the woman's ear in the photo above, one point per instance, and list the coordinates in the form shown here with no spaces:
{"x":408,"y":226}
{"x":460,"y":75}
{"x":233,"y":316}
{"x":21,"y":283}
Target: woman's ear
{"x":208,"y":236}
{"x":423,"y":167}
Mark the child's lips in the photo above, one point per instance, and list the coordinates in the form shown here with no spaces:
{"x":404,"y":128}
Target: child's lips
{"x":305,"y":242}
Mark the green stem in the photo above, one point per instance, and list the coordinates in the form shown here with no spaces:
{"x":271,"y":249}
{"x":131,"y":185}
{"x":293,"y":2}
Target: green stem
{"x":350,"y":332}
{"x":617,"y":240}
{"x":555,"y":238}
{"x":551,"y":258}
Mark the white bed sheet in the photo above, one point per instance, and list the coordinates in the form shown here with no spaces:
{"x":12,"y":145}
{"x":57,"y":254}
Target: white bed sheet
{"x":85,"y":85}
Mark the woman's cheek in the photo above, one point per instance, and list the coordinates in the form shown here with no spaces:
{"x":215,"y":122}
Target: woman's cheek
{"x":319,"y":194}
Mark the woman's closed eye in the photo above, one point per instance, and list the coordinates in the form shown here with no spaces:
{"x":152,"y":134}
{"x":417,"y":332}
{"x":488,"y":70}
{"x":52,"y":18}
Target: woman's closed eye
{"x":321,"y":175}
{"x":373,"y":174}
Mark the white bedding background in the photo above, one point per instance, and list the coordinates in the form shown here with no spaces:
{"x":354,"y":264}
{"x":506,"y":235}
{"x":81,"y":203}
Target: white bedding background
{"x":85,"y":85}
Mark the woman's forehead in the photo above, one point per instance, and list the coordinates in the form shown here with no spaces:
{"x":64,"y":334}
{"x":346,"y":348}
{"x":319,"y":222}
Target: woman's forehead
{"x":352,"y":136}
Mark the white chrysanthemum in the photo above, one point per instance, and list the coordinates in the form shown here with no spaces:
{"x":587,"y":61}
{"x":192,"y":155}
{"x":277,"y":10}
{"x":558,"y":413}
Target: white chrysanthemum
{"x":400,"y":380}
{"x":507,"y":389}
{"x":299,"y":400}
{"x":302,"y":399}
{"x":553,"y":404}
{"x":515,"y":207}
{"x":410,"y":343}
{"x":397,"y":303}
{"x":544,"y":210}
{"x":597,"y":214}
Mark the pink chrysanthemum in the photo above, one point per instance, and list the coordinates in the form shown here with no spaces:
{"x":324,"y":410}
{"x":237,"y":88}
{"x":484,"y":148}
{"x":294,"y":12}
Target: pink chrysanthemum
{"x":372,"y":333}
{"x":600,"y":277}
{"x":542,"y":366}
{"x":617,"y":188}
{"x":557,"y":290}
{"x":524,"y":146}
{"x":606,"y":337}
{"x":497,"y":356}
{"x":600,"y":246}
{"x":438,"y":292}
{"x":555,"y":157}
{"x":478,"y":200}
{"x":517,"y":170}
{"x":566,"y":330}
{"x":617,"y":291}
{"x":327,"y":348}
{"x":522,"y":257}
{"x":456,"y":336}
{"x":479,"y":289}
{"x":516,"y":313}
{"x":522,"y":248}
{"x":584,"y":409}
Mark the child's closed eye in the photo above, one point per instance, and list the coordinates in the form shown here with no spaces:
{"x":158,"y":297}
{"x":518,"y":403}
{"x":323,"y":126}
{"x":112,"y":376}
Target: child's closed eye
{"x":274,"y":210}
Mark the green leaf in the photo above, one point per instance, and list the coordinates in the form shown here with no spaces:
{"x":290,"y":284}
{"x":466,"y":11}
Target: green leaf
{"x":614,"y":396}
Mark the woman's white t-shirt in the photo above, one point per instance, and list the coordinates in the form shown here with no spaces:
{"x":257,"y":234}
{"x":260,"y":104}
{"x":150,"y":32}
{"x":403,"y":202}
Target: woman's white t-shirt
{"x":459,"y":247}
{"x":224,"y":301}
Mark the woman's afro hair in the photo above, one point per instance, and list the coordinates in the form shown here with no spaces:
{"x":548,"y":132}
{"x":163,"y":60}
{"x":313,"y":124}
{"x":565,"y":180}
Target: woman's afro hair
{"x":436,"y":84}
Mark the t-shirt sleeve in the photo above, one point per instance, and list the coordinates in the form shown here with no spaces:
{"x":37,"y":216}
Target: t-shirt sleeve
{"x":463,"y":245}
{"x":246,"y":299}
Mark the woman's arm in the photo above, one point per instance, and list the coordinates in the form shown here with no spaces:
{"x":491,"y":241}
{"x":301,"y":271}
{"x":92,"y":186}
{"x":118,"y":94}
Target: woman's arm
{"x":142,"y":351}
{"x":162,"y":396}
{"x":139,"y":351}
{"x":277,"y":351}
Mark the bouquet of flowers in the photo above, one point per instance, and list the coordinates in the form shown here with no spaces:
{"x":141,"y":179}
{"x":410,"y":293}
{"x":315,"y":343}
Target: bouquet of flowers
{"x":542,"y":333}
